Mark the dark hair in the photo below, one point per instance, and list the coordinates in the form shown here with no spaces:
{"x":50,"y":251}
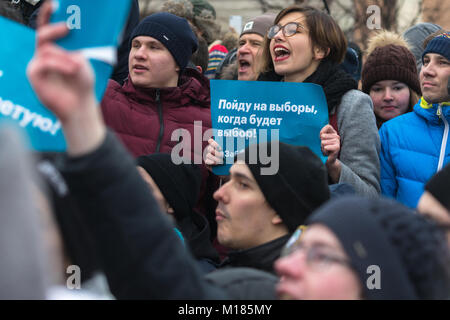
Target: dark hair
{"x":201,"y":56}
{"x":324,"y":33}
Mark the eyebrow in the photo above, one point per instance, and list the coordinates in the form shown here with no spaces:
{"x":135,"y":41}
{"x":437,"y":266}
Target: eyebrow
{"x":240,"y":175}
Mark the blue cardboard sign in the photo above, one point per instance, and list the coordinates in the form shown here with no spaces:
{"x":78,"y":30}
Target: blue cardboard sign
{"x":18,"y":102}
{"x":247,"y":112}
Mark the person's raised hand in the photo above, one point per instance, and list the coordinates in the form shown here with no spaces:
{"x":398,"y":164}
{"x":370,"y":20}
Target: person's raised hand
{"x":331,"y":146}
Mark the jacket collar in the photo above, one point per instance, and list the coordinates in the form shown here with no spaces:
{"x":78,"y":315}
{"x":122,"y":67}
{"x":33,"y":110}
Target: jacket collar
{"x":429,"y":111}
{"x":261,"y":257}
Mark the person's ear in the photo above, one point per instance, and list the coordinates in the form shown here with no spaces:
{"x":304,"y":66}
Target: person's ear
{"x":321,"y":53}
{"x":170,"y":210}
{"x":276,"y":220}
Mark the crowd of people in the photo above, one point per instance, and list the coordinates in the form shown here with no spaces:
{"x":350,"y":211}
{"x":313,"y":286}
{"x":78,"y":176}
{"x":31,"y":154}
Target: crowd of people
{"x":372,"y":222}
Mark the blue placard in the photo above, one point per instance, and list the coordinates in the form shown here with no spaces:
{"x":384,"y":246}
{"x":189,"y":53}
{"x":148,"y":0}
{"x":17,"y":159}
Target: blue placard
{"x":246,"y":112}
{"x":18,"y":102}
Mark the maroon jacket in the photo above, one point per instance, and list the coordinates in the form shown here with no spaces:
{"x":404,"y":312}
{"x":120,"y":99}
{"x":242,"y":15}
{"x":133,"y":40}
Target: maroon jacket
{"x":144,"y":119}
{"x":145,"y":123}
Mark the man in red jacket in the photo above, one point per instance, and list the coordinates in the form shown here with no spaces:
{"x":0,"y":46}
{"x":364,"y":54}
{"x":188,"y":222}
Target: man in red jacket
{"x":161,"y":95}
{"x":163,"y":104}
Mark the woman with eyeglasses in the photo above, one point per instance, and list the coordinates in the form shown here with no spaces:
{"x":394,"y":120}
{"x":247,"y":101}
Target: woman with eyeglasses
{"x":356,"y":248}
{"x":307,"y":45}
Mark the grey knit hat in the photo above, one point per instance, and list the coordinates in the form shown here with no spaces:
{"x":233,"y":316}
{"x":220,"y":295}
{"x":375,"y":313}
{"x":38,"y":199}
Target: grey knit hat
{"x":416,"y":35}
{"x":259,"y":24}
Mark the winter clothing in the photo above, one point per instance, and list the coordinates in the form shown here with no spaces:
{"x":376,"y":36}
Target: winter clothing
{"x":144,"y":119}
{"x":261,"y":257}
{"x":180,"y":186}
{"x":351,"y":115}
{"x":245,"y":283}
{"x":120,"y":71}
{"x":203,"y":7}
{"x":173,"y":32}
{"x":24,"y":272}
{"x":390,"y":62}
{"x":259,"y":24}
{"x":439,"y":186}
{"x":216,"y":55}
{"x":301,"y":180}
{"x":413,"y":147}
{"x":440,"y":45}
{"x":142,"y":256}
{"x":408,"y":250}
{"x":351,"y":64}
{"x":416,"y":35}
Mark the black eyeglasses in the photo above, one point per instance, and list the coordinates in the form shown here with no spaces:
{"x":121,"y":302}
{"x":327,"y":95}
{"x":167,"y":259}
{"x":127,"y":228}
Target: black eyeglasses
{"x":288,"y":29}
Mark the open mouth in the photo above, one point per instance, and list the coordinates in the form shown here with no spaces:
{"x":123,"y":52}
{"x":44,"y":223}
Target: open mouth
{"x":281,"y":53}
{"x":139,"y":68}
{"x":244,"y":66}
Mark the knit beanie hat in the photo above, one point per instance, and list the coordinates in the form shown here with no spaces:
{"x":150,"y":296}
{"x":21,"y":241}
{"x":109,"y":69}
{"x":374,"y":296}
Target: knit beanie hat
{"x":416,"y":35}
{"x":409,"y":250}
{"x":203,"y":6}
{"x":440,"y":45}
{"x":173,"y":32}
{"x":299,"y":186}
{"x":439,"y":186}
{"x":390,"y":62}
{"x":179,"y":184}
{"x":259,"y":24}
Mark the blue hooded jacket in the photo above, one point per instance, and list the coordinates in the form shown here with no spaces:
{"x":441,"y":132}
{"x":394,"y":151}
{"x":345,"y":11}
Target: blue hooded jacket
{"x":414,"y":146}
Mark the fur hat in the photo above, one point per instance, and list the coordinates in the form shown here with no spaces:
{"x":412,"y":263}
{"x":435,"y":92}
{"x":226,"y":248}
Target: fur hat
{"x":173,"y":32}
{"x":410,"y":251}
{"x":389,"y":59}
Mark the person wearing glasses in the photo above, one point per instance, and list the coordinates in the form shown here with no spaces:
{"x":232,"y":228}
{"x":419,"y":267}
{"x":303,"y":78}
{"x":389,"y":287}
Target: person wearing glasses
{"x":356,"y":248}
{"x":307,"y":45}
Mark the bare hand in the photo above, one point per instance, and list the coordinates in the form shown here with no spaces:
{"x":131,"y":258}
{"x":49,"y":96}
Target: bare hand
{"x":215,"y":155}
{"x":331,"y":146}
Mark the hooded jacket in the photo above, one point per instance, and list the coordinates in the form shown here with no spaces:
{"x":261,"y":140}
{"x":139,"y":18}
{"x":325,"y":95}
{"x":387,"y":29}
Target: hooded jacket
{"x":414,"y":147}
{"x":145,"y":118}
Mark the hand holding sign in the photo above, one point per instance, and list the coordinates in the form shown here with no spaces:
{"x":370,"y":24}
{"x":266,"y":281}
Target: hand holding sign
{"x":331,"y":145}
{"x":64,"y":83}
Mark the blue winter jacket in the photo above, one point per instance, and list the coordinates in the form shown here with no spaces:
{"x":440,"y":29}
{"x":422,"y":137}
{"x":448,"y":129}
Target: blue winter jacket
{"x":414,"y":147}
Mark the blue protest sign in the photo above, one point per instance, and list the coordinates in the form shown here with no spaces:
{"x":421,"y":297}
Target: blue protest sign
{"x":18,"y":102}
{"x":246,"y":112}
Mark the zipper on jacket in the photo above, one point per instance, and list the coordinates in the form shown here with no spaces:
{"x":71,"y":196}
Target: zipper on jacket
{"x":161,"y":122}
{"x":444,"y":139}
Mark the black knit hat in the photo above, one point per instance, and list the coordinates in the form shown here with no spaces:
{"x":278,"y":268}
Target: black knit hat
{"x":179,"y":184}
{"x":173,"y":32}
{"x":391,"y":62}
{"x":299,"y":186}
{"x":439,"y":186}
{"x":409,"y":250}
